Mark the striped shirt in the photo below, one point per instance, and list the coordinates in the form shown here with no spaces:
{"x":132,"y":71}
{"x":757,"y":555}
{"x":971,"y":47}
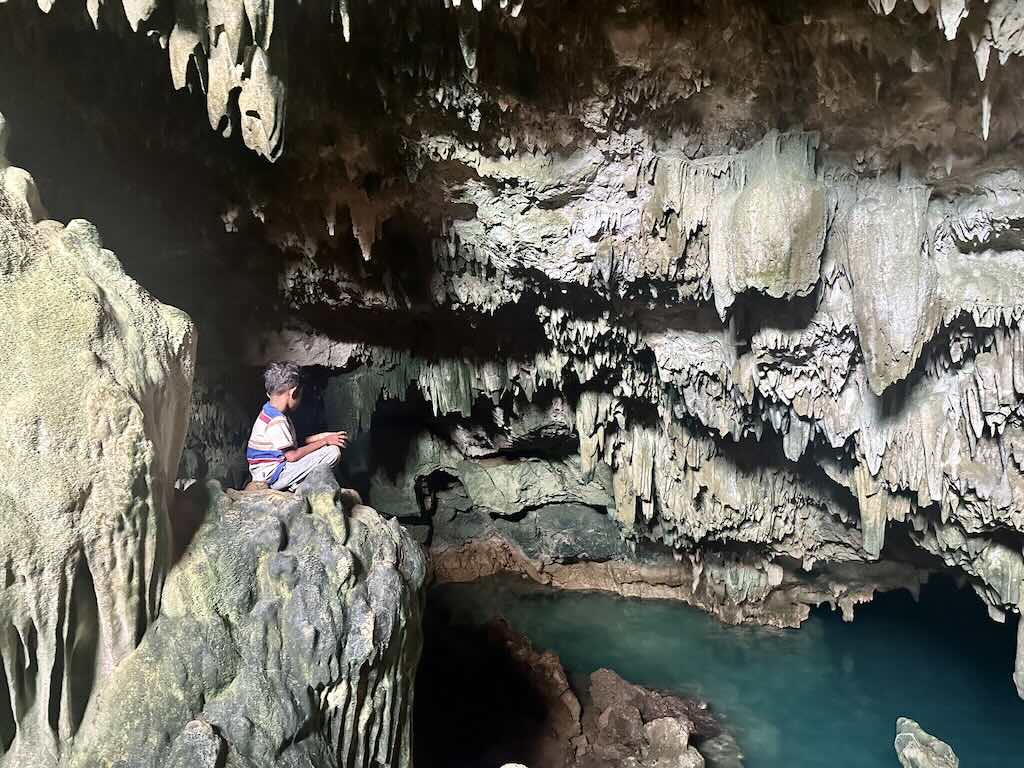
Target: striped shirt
{"x":271,"y":436}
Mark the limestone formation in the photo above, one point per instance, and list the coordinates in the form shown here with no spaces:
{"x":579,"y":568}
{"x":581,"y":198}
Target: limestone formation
{"x":289,"y":636}
{"x":717,"y":319}
{"x":95,"y":380}
{"x":917,"y":749}
{"x":738,"y":282}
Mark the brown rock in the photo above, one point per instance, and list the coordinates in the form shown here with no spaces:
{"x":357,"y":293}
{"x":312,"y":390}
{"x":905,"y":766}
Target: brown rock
{"x":608,"y":689}
{"x":620,"y":724}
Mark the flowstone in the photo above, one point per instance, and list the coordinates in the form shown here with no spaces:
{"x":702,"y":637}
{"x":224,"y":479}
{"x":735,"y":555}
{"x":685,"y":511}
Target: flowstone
{"x":96,"y":381}
{"x":289,"y":636}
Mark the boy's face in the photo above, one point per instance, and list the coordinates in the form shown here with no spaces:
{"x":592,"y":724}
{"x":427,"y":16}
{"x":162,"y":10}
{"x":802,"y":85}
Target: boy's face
{"x":294,"y":398}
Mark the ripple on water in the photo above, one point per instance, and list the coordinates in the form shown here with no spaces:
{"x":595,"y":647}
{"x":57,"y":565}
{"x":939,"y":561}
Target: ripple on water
{"x":826,"y":694}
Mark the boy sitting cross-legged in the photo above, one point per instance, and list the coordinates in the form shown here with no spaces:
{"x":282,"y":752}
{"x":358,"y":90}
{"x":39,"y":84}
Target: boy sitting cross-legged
{"x":272,"y":453}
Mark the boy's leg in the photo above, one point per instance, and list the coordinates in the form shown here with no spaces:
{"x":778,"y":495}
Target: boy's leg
{"x":295,"y":471}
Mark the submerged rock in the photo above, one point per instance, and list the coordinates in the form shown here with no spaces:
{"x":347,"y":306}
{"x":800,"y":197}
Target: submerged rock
{"x":917,"y":749}
{"x":289,"y":636}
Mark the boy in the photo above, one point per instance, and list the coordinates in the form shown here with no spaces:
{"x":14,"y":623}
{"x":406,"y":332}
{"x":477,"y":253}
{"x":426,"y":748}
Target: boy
{"x":272,"y":454}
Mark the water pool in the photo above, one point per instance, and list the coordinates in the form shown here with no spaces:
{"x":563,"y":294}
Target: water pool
{"x":827,"y":694}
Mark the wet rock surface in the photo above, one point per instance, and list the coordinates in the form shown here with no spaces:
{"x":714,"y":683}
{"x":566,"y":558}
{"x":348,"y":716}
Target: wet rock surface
{"x":625,"y":724}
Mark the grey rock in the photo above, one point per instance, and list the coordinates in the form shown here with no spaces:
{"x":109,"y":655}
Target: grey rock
{"x":197,"y":746}
{"x":1018,"y":669}
{"x":917,"y":749}
{"x":246,"y":633}
{"x":96,"y":377}
{"x":620,"y":725}
{"x":667,"y":741}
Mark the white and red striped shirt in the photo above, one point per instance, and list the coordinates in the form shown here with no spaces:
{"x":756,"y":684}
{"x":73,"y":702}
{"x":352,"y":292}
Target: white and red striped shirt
{"x":272,"y":435}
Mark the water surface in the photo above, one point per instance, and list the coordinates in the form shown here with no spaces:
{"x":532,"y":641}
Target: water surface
{"x":827,"y":694}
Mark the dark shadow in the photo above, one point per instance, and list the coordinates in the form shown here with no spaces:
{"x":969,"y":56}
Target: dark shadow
{"x":943,"y":605}
{"x":83,"y":641}
{"x":8,"y":728}
{"x":474,"y":706}
{"x":187,"y":516}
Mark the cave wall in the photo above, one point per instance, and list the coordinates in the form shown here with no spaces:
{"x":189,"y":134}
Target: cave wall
{"x":738,"y":281}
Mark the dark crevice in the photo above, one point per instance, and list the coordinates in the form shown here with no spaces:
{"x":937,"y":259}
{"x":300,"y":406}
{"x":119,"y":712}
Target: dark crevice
{"x":83,"y":641}
{"x":8,"y":728}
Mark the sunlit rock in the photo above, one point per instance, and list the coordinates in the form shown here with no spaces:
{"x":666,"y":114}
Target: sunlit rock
{"x":917,"y":749}
{"x":96,"y":379}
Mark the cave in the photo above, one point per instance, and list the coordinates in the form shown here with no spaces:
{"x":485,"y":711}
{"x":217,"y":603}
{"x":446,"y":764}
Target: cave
{"x":696,"y":323}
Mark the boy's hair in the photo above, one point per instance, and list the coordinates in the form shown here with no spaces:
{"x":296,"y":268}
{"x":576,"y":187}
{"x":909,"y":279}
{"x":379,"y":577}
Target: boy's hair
{"x":280,"y":377}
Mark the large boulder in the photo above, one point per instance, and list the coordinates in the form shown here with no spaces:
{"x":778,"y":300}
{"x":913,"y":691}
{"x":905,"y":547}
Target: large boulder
{"x":289,"y":636}
{"x":95,"y":379}
{"x":917,"y":749}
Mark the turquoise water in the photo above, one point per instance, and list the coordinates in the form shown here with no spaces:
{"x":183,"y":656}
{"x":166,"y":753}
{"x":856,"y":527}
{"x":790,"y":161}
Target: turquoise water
{"x":827,"y":694}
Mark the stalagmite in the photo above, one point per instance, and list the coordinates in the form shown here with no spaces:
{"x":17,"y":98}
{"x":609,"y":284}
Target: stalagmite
{"x":291,"y":630}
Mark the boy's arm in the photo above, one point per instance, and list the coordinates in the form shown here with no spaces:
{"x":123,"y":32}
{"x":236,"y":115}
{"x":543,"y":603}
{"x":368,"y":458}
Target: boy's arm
{"x":322,"y":435}
{"x":331,"y":438}
{"x":297,"y":453}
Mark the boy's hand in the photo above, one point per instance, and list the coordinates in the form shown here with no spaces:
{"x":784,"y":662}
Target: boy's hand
{"x":324,"y":438}
{"x":339,"y":439}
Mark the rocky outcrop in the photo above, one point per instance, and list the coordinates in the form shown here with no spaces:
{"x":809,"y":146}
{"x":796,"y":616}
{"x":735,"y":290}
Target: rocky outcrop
{"x":522,"y":706}
{"x":95,"y":379}
{"x":625,"y":724}
{"x":731,"y":587}
{"x":289,"y":636}
{"x":917,"y":749}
